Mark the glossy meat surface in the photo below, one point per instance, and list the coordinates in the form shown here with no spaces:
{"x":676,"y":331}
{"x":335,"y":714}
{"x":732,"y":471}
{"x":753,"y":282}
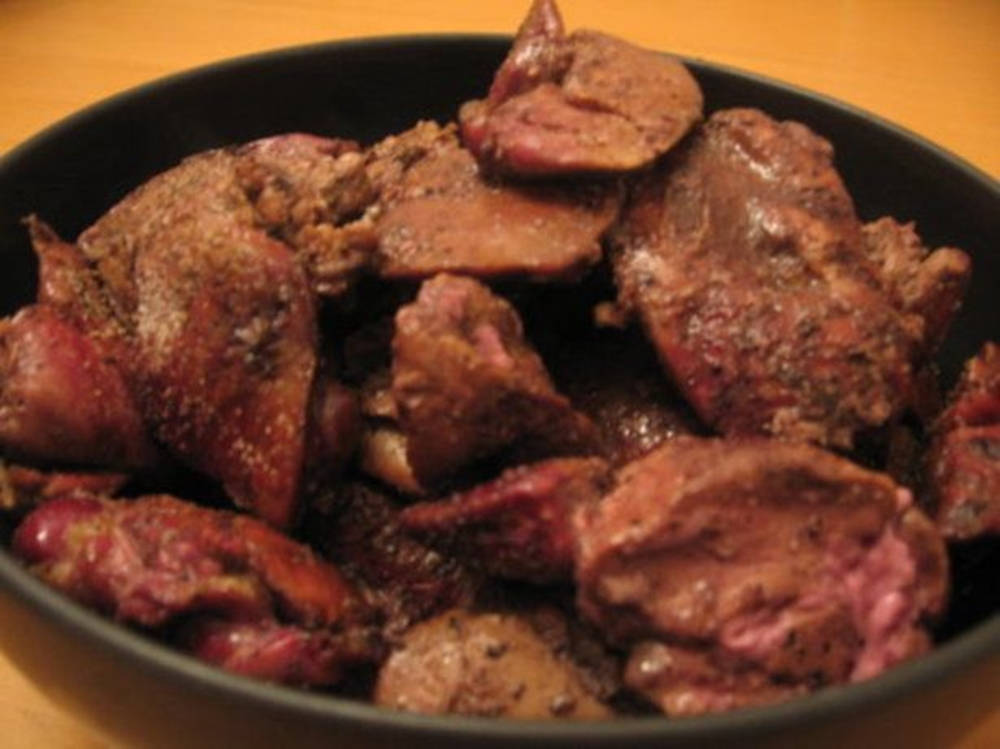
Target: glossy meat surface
{"x":468,"y":386}
{"x":963,"y":466}
{"x":587,"y":102}
{"x":61,"y":400}
{"x":743,"y":259}
{"x":490,"y":665}
{"x":151,"y":560}
{"x":784,"y":558}
{"x":517,"y":526}
{"x":270,"y":651}
{"x":442,"y":215}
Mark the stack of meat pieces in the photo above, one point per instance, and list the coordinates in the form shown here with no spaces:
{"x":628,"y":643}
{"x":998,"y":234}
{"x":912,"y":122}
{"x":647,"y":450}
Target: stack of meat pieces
{"x":220,"y":318}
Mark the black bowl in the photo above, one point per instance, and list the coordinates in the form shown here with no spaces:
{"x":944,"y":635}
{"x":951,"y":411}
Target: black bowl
{"x":134,"y":689}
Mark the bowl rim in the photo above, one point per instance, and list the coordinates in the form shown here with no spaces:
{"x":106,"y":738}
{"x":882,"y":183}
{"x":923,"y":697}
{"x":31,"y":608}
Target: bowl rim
{"x":161,"y":661}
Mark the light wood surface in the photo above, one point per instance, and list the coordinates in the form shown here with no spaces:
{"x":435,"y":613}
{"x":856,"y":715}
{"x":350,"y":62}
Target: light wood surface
{"x":931,"y":66}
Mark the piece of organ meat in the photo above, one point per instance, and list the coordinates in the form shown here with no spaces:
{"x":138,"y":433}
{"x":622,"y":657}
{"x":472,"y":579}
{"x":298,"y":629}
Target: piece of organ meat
{"x":211,"y":319}
{"x":438,"y":213}
{"x":358,"y":528}
{"x":62,"y":401}
{"x":919,"y":282}
{"x":467,"y":386}
{"x":483,"y":664}
{"x":270,"y":651}
{"x":312,"y":193}
{"x":518,"y":525}
{"x":583,"y":103}
{"x":747,"y":266}
{"x":152,"y":559}
{"x":963,"y":463}
{"x":772,"y":561}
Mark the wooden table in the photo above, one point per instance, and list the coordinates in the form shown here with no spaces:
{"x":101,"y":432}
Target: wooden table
{"x":930,"y":65}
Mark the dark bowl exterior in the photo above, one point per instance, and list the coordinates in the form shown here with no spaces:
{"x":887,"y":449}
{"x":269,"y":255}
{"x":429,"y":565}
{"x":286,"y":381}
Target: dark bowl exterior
{"x":145,"y":695}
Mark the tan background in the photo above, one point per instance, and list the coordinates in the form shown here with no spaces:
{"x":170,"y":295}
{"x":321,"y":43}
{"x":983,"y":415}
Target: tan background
{"x":931,"y":66}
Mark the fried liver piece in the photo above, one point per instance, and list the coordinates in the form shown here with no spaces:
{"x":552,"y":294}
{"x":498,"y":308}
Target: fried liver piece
{"x":963,"y":463}
{"x":62,"y":401}
{"x":920,"y":282}
{"x":747,"y":266}
{"x":438,"y":213}
{"x":358,"y":528}
{"x":518,"y":525}
{"x":468,"y":386}
{"x":270,"y":651}
{"x":490,"y":665}
{"x":762,"y":556}
{"x":211,"y":319}
{"x":150,"y":560}
{"x":587,"y":102}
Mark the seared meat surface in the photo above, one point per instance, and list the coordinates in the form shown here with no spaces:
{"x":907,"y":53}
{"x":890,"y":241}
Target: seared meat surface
{"x":919,"y":282}
{"x":267,"y":650}
{"x":468,"y":386}
{"x":61,"y":400}
{"x":963,"y":470}
{"x":518,"y":525}
{"x":442,"y":215}
{"x":491,"y":665}
{"x":776,"y":558}
{"x":152,"y":559}
{"x":586,"y":102}
{"x":744,"y":260}
{"x":211,"y":320}
{"x":158,"y":560}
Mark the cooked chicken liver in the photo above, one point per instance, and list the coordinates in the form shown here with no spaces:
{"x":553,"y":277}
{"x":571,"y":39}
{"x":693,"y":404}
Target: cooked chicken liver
{"x":744,"y":260}
{"x":518,"y":525}
{"x":963,"y":471}
{"x":782,"y":557}
{"x":61,"y":401}
{"x":586,"y":103}
{"x":443,"y":215}
{"x":153,"y":559}
{"x":491,"y":665}
{"x":467,"y":385}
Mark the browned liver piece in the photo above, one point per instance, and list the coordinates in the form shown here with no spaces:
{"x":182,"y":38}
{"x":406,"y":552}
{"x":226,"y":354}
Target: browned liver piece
{"x":211,"y":319}
{"x":587,"y":102}
{"x":963,"y":464}
{"x":438,"y":213}
{"x":157,"y":560}
{"x":467,"y":385}
{"x":61,"y":401}
{"x":518,"y":525}
{"x":769,"y":557}
{"x":491,"y":665}
{"x":746,"y":264}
